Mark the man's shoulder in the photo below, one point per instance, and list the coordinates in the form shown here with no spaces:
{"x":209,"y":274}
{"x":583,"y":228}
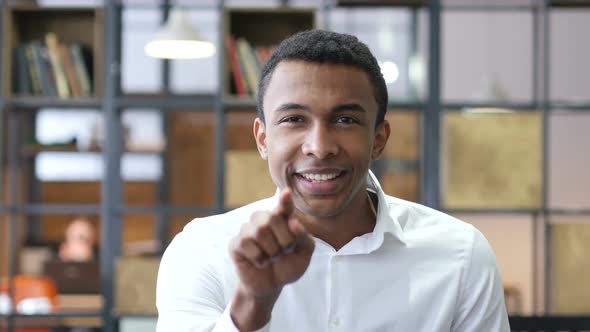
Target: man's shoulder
{"x":421,"y":220}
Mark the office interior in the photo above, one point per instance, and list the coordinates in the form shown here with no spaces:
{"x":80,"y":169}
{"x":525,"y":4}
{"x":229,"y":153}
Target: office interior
{"x":489,"y":104}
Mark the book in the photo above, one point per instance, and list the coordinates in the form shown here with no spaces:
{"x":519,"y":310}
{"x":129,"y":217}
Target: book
{"x":34,"y":70}
{"x":43,"y":68}
{"x":81,"y":58}
{"x":59,"y":74}
{"x":22,"y":79}
{"x":68,"y":65}
{"x":237,"y":71}
{"x":248,"y":62}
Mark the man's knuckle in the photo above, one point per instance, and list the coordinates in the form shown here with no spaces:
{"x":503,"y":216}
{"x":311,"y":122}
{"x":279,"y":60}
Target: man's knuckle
{"x":260,"y":233}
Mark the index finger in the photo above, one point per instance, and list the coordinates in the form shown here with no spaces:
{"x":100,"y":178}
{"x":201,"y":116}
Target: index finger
{"x":286,"y":205}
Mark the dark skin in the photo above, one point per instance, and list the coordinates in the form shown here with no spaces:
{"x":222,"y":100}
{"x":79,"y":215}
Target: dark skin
{"x":319,"y":137}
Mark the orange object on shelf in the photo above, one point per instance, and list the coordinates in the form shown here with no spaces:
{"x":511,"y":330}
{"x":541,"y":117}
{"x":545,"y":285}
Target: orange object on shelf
{"x":27,"y":287}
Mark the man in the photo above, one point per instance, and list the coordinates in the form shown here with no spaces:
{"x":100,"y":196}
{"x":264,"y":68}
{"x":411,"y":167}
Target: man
{"x":330,"y":251}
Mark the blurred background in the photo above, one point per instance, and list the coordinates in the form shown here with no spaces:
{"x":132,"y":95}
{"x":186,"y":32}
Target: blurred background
{"x":113,"y":138}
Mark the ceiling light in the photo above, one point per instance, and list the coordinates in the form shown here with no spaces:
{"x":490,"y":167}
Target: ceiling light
{"x":177,"y":39}
{"x":390,"y":72}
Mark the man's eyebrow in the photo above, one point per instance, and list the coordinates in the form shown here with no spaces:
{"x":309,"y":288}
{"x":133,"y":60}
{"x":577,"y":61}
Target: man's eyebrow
{"x":291,"y":107}
{"x":339,"y":108}
{"x":349,"y":107}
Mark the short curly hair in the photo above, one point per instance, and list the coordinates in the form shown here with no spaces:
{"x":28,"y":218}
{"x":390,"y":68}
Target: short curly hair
{"x":322,"y":46}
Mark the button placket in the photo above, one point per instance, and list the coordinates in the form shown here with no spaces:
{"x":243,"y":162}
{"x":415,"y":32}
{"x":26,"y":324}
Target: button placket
{"x":334,"y":317}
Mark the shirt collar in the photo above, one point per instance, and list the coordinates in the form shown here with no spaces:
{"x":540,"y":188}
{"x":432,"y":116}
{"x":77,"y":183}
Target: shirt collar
{"x":386,"y":223}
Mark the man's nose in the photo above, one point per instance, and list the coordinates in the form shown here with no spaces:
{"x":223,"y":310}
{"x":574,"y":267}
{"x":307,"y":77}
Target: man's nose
{"x":320,"y":142}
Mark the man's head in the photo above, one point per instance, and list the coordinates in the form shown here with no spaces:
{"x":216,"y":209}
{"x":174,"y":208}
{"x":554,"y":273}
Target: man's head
{"x":320,"y":46}
{"x":322,"y":122}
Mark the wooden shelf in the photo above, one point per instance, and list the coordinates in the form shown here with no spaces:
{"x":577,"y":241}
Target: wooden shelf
{"x":36,"y":102}
{"x":34,"y":149}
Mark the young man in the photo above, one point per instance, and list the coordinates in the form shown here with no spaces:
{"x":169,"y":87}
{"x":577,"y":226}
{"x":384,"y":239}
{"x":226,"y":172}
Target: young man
{"x":330,"y":251}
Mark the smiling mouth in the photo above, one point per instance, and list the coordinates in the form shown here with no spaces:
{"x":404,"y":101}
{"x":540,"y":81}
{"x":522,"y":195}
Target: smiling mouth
{"x":320,"y":177}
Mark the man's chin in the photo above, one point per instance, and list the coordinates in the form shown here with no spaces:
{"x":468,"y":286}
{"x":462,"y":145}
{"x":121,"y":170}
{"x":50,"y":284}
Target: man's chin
{"x":319,"y":210}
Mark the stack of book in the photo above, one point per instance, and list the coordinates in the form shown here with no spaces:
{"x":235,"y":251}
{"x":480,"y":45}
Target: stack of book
{"x":53,"y":69}
{"x":246,"y":62}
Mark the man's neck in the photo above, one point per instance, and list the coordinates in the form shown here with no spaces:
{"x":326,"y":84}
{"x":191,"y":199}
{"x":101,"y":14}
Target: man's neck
{"x":337,"y":231}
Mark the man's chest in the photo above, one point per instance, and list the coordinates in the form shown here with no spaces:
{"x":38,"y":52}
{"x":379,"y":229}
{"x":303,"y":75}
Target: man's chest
{"x":370,"y":293}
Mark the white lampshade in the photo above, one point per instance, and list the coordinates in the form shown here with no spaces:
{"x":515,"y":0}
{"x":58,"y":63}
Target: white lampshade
{"x":177,"y":39}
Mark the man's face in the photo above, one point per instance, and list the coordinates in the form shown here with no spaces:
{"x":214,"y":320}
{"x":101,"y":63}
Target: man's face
{"x":319,"y":135}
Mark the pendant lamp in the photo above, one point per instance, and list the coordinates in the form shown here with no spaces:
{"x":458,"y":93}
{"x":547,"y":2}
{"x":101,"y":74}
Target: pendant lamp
{"x":177,"y":39}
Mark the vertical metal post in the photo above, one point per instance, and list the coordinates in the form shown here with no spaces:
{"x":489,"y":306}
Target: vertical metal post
{"x":163,"y":190}
{"x":220,"y":130}
{"x":545,"y":146}
{"x":111,"y":223}
{"x":163,"y":182}
{"x":2,"y":115}
{"x":413,"y":51}
{"x":536,"y":50}
{"x":535,"y":257}
{"x":11,"y":220}
{"x":33,"y":185}
{"x":430,"y":186}
{"x":13,"y":140}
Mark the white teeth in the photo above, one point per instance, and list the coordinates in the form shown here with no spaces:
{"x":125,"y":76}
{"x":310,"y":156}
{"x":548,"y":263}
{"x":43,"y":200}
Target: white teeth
{"x":319,"y":177}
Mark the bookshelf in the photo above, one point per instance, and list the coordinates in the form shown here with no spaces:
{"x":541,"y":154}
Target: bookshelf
{"x":100,"y":28}
{"x":72,"y":26}
{"x":245,"y":37}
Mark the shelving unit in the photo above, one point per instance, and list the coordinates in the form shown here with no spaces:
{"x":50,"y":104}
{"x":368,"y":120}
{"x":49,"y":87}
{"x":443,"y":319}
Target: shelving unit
{"x":104,"y":25}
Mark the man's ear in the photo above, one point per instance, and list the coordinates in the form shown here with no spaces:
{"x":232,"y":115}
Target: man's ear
{"x":260,"y":137}
{"x":381,"y":136}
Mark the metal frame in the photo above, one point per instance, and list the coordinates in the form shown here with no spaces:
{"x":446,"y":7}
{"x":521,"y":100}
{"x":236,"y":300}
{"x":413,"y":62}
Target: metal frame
{"x":430,"y":130}
{"x":545,"y":102}
{"x":220,"y":132}
{"x":111,"y":220}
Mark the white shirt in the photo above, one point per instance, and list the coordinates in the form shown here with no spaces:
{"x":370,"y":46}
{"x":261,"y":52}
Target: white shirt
{"x":419,"y":270}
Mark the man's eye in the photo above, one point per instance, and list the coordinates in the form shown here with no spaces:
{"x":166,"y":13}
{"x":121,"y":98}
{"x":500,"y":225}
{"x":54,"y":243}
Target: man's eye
{"x":346,"y":120}
{"x":291,"y":119}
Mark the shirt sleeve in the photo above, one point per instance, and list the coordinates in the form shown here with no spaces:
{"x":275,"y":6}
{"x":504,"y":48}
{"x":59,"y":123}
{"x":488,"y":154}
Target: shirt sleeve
{"x":481,"y":305}
{"x":189,"y":292}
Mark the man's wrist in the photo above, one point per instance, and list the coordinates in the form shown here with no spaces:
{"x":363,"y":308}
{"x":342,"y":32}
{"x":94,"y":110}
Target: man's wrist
{"x":250,"y":312}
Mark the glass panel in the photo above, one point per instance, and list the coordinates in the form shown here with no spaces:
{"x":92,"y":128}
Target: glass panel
{"x":492,"y":160}
{"x":247,"y":177}
{"x":139,"y":235}
{"x":511,"y":238}
{"x":143,"y":130}
{"x":396,"y":37}
{"x":570,"y":269}
{"x":64,"y":127}
{"x":569,"y":161}
{"x":191,"y":159}
{"x":570,"y":72}
{"x":143,"y":193}
{"x":139,"y":72}
{"x":80,"y":166}
{"x":401,"y":155}
{"x":487,"y":57}
{"x":198,"y":75}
